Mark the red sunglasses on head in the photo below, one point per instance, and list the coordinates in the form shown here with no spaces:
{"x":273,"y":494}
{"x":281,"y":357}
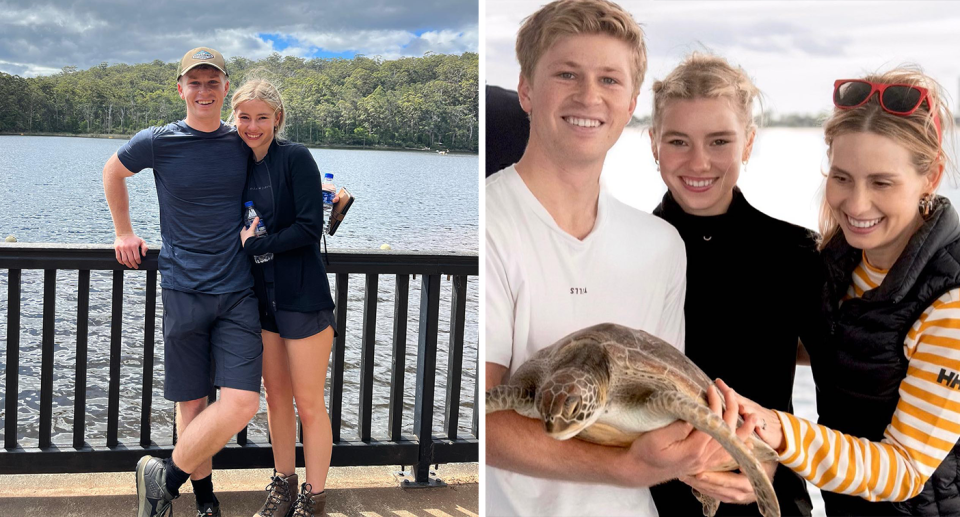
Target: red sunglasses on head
{"x":898,"y":99}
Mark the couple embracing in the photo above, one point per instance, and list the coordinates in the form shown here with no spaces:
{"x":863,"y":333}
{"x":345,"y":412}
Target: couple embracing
{"x":228,"y":322}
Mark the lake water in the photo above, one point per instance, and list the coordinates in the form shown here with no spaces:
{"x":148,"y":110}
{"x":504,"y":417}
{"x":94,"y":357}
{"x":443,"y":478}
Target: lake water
{"x":782,"y":179}
{"x":51,"y":191}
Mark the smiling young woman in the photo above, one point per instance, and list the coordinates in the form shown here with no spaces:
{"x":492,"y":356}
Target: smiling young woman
{"x":702,"y":135}
{"x":296,"y":309}
{"x":888,"y":442}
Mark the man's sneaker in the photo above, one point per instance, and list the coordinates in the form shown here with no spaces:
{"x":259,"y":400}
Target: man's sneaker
{"x":280,"y":494}
{"x":208,"y":510}
{"x":308,"y":504}
{"x":153,"y":499}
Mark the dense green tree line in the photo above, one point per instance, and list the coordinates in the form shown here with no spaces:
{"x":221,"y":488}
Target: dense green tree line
{"x":429,"y":101}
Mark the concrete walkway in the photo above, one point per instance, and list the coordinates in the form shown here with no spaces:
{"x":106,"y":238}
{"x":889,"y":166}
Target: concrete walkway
{"x":353,"y":492}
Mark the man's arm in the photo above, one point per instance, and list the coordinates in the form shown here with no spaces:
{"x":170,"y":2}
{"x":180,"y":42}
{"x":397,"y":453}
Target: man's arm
{"x":520,"y":444}
{"x":128,"y":246}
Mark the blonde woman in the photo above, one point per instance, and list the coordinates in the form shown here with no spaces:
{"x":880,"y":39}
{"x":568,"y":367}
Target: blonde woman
{"x":887,"y":380}
{"x":702,"y":135}
{"x":296,"y":309}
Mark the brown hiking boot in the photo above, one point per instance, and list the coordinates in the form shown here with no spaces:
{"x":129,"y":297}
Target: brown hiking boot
{"x":280,"y":494}
{"x":308,"y":504}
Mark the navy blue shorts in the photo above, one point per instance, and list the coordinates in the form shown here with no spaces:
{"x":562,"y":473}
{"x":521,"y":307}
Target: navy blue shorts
{"x":293,"y":325}
{"x":210,"y":339}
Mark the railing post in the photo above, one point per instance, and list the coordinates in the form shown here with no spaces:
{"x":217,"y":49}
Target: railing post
{"x":46,"y":357}
{"x":113,"y":391}
{"x":80,"y":383}
{"x":475,"y":428}
{"x":13,"y":358}
{"x":339,"y":348}
{"x":426,"y":374}
{"x":451,"y":416}
{"x":149,"y":325}
{"x":367,"y":355}
{"x":401,"y":301}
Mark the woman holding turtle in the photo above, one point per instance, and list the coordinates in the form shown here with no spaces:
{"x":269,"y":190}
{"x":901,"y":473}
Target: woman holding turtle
{"x":887,"y":372}
{"x":702,"y":133}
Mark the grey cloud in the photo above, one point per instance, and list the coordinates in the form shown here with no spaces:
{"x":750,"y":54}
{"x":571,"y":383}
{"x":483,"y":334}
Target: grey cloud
{"x":772,"y":36}
{"x":54,"y":34}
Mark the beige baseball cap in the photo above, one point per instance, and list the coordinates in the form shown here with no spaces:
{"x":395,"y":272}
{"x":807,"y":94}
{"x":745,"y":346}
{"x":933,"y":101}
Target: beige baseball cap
{"x":202,"y":56}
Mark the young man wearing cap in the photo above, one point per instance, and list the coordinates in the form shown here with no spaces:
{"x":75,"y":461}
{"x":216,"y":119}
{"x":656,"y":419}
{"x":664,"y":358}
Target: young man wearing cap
{"x":562,"y":254}
{"x":211,"y":326}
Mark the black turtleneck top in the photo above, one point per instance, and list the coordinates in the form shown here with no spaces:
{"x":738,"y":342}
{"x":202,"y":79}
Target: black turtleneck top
{"x":754,"y":287}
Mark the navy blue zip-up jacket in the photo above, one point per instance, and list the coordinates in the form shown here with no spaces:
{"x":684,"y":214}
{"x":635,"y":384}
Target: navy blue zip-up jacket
{"x":285,"y":187}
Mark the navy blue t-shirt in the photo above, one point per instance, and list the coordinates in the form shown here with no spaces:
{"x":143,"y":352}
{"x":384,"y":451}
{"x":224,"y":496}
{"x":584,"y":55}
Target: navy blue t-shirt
{"x":200,"y":178}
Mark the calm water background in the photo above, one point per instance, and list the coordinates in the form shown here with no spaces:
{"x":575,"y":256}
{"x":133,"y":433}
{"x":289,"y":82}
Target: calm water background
{"x":51,"y":191}
{"x":782,"y":179}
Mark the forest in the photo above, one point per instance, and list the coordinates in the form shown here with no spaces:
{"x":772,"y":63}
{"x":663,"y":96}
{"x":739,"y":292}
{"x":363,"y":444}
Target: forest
{"x":428,"y":102}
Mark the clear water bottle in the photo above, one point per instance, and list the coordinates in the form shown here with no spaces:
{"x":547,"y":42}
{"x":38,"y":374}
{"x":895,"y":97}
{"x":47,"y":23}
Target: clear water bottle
{"x":248,"y":215}
{"x":329,"y":192}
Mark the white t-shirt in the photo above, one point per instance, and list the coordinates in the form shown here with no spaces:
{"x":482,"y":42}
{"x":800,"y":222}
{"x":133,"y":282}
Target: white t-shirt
{"x":542,"y":284}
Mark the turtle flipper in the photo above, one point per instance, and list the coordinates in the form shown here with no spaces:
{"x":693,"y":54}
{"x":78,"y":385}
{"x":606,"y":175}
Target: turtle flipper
{"x":710,"y":505}
{"x":700,"y":417}
{"x":506,"y":396}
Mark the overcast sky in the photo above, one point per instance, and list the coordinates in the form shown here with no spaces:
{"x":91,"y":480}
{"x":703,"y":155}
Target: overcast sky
{"x":793,"y":50}
{"x":41,"y":37}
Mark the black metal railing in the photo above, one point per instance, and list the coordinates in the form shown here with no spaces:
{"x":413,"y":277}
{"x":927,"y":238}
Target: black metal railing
{"x":421,"y":449}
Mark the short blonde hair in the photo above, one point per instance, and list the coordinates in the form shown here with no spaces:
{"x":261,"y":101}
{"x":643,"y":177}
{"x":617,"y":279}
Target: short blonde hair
{"x":571,"y":17}
{"x":916,"y":132}
{"x":706,"y":76}
{"x":262,"y":90}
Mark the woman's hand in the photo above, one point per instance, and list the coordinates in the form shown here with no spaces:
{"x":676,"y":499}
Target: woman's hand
{"x":732,"y":487}
{"x":720,"y":459}
{"x":249,"y":231}
{"x":768,"y":423}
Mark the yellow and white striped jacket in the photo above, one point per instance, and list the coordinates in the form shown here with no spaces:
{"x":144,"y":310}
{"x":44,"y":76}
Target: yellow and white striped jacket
{"x":925,"y":425}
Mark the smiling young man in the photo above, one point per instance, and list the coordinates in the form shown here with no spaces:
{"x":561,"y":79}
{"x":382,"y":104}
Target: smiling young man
{"x":562,"y":254}
{"x":211,"y":325}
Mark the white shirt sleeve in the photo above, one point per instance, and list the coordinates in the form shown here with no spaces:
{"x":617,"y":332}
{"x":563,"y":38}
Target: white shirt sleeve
{"x":672,"y":327}
{"x":500,"y":305}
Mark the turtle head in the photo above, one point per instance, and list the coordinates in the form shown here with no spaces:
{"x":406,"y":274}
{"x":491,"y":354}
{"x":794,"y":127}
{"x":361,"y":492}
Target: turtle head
{"x":571,"y":400}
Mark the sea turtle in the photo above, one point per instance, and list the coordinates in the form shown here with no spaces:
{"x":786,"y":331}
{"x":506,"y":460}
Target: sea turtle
{"x":608,"y":384}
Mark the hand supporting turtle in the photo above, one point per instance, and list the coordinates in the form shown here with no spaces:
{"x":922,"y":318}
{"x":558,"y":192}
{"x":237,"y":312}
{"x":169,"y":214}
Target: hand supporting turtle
{"x":685,"y":450}
{"x":731,"y":487}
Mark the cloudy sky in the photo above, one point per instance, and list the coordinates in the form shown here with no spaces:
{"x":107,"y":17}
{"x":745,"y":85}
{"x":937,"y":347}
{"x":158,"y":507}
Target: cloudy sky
{"x":40,"y":37}
{"x":793,"y":50}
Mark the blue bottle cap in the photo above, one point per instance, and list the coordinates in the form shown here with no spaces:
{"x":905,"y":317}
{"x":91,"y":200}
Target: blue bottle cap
{"x":248,"y":204}
{"x":328,"y":175}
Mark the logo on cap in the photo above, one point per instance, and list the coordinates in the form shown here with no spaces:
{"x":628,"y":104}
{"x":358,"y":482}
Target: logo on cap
{"x":203,"y":54}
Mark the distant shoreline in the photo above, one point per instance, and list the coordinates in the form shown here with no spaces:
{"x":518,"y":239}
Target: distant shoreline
{"x":117,"y":136}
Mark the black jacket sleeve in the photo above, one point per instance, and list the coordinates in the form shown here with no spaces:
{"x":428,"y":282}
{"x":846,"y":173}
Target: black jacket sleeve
{"x":307,"y":197}
{"x":810,"y":271}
